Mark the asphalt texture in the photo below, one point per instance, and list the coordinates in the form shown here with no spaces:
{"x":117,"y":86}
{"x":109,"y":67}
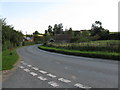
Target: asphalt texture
{"x":43,"y":69}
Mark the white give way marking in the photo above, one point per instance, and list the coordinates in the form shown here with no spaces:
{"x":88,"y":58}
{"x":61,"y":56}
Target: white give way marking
{"x":53,"y":84}
{"x":81,"y":86}
{"x":32,"y":73}
{"x":64,"y":80}
{"x":42,"y":78}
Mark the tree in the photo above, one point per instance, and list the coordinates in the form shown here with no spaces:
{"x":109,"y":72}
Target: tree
{"x":50,"y":29}
{"x":36,"y":32}
{"x":58,"y":29}
{"x":10,"y":37}
{"x":97,"y":29}
{"x":46,"y":32}
{"x":55,"y":28}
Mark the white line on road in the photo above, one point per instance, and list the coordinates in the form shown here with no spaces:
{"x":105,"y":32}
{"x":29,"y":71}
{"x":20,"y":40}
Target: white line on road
{"x":44,"y":72}
{"x":35,"y":68}
{"x":32,"y":73}
{"x":64,"y":80}
{"x":81,"y":86}
{"x":29,"y":65}
{"x":27,"y":70}
{"x":52,"y":83}
{"x":42,"y":78}
{"x":51,"y":75}
{"x":21,"y":67}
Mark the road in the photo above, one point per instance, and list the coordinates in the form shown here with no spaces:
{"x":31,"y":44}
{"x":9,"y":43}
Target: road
{"x":42,"y":69}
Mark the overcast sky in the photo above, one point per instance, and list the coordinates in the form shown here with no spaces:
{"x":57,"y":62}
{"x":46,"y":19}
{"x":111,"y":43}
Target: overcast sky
{"x":31,"y":15}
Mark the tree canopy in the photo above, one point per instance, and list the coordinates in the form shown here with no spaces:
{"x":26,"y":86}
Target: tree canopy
{"x":10,"y":36}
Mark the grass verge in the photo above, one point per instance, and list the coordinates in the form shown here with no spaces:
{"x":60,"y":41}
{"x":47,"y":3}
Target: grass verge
{"x":9,"y":60}
{"x":93,"y":54}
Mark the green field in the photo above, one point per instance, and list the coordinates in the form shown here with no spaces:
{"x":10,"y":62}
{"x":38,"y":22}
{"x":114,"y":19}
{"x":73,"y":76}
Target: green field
{"x":9,"y":60}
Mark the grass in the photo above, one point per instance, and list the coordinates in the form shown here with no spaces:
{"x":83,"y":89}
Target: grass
{"x":94,"y":54}
{"x":9,"y":60}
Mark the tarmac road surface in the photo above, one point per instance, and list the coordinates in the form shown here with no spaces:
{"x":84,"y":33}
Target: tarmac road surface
{"x":42,"y":69}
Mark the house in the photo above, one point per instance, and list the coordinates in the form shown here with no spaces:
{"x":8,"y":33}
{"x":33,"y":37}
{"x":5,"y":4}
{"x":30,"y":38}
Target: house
{"x":62,"y":38}
{"x":29,"y":39}
{"x":40,"y":35}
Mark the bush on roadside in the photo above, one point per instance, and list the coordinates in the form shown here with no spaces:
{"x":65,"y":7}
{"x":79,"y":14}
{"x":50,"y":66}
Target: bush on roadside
{"x":103,"y":45}
{"x":105,"y":55}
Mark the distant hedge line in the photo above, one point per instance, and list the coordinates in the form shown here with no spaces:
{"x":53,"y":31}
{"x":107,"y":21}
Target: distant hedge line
{"x":93,"y":54}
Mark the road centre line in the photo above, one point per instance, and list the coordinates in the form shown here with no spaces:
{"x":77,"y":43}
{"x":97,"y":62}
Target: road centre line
{"x":52,"y":83}
{"x":51,"y":75}
{"x":32,"y":73}
{"x":42,"y":78}
{"x":64,"y":80}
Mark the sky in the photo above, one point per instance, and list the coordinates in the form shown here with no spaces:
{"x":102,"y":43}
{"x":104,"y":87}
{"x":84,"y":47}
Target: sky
{"x":31,"y":15}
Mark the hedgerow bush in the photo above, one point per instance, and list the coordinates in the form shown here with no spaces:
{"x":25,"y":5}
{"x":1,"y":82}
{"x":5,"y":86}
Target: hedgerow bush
{"x":93,"y":54}
{"x":103,"y":45}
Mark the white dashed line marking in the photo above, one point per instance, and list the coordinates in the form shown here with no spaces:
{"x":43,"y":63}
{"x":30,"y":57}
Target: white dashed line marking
{"x":35,"y":68}
{"x":51,"y":75}
{"x":81,"y":86}
{"x":42,"y":78}
{"x":27,"y":70}
{"x":32,"y":73}
{"x":44,"y":72}
{"x":53,"y":84}
{"x":29,"y":65}
{"x":21,"y":67}
{"x":64,"y":80}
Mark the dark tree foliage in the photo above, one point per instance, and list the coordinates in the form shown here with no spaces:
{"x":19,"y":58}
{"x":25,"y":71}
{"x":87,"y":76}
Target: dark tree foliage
{"x":46,"y":32}
{"x":10,"y":37}
{"x":97,"y":29}
{"x":36,"y":32}
{"x":50,"y":29}
{"x":58,"y":29}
